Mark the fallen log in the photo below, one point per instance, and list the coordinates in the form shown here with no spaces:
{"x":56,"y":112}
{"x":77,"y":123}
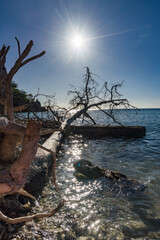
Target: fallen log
{"x":45,"y":160}
{"x":20,"y":108}
{"x":92,"y":131}
{"x":51,"y":131}
{"x":43,"y":163}
{"x":103,"y":131}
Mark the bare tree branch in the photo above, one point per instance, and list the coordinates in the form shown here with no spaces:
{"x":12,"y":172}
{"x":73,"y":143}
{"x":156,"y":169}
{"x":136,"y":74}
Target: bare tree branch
{"x":32,"y":58}
{"x":89,"y":116}
{"x":17,"y":64}
{"x":6,"y":78}
{"x":19,"y":51}
{"x":110,"y":115}
{"x":90,"y":97}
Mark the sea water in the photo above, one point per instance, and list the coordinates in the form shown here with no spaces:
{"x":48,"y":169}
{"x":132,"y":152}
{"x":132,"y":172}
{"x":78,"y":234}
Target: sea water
{"x":97,"y":209}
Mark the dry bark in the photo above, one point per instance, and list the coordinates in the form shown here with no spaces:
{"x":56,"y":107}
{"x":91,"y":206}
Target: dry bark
{"x":51,"y":131}
{"x":6,"y":78}
{"x":13,"y":179}
{"x":11,"y":128}
{"x":9,"y":135}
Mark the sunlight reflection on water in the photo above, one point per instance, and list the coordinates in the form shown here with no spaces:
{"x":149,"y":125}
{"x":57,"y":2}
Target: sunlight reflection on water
{"x":100,"y":208}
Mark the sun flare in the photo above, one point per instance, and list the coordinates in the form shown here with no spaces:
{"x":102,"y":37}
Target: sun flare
{"x":78,"y":42}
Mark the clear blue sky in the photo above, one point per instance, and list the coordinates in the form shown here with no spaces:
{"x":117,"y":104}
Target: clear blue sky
{"x":119,"y":40}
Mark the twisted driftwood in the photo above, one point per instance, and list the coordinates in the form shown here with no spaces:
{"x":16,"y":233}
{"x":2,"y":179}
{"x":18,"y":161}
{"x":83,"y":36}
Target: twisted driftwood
{"x":13,"y":179}
{"x":31,"y":217}
{"x":6,"y":78}
{"x":10,"y":136}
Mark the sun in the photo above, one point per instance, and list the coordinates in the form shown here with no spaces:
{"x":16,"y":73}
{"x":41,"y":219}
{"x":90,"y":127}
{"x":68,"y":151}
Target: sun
{"x":78,"y":42}
{"x":75,"y":43}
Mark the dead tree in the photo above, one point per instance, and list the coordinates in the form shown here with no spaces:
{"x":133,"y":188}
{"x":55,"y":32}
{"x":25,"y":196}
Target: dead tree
{"x":91,"y":97}
{"x":13,"y":176}
{"x":86,"y":98}
{"x":8,"y":139}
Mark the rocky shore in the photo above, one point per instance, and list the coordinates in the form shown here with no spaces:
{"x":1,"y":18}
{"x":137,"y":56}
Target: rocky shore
{"x":15,"y":205}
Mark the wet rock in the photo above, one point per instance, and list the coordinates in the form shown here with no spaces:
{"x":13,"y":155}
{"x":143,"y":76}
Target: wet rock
{"x":85,"y":238}
{"x":70,"y":235}
{"x":116,"y":235}
{"x":80,"y":229}
{"x":14,"y":204}
{"x":38,"y":174}
{"x":66,"y":235}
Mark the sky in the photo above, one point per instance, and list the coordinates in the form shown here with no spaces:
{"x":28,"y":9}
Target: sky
{"x":119,"y":40}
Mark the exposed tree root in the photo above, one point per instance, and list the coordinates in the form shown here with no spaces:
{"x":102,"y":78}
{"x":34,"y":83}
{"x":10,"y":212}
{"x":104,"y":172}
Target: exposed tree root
{"x":13,"y":179}
{"x":31,"y":217}
{"x":25,"y":193}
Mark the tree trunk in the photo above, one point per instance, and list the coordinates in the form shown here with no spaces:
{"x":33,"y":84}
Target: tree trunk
{"x":13,"y":179}
{"x":8,"y":148}
{"x":54,"y":140}
{"x":10,"y":135}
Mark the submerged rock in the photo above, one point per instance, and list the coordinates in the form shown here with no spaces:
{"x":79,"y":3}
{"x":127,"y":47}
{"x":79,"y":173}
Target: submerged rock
{"x":86,"y":169}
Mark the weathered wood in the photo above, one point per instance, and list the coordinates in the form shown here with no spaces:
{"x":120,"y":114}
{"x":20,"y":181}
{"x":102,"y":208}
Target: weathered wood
{"x":31,"y":217}
{"x":3,"y":74}
{"x":11,"y":134}
{"x":13,"y":179}
{"x":32,"y":58}
{"x":8,"y":148}
{"x":51,"y":131}
{"x":102,"y":131}
{"x":44,"y":161}
{"x":54,"y":141}
{"x":9,"y":77}
{"x":2,"y":101}
{"x":20,"y":108}
{"x":20,"y":168}
{"x":6,"y":78}
{"x":12,"y":128}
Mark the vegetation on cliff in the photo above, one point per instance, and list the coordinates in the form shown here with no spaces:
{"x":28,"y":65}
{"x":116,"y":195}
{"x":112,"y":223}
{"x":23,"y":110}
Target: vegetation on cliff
{"x":20,"y":97}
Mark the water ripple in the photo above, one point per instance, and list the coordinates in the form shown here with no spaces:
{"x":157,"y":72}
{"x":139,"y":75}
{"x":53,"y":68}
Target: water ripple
{"x":100,"y":208}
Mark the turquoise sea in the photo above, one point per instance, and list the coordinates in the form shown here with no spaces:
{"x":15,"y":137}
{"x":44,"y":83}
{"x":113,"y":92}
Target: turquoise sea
{"x":98,"y":209}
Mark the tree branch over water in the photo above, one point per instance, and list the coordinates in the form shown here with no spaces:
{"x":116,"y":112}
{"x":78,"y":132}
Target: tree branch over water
{"x":91,"y":97}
